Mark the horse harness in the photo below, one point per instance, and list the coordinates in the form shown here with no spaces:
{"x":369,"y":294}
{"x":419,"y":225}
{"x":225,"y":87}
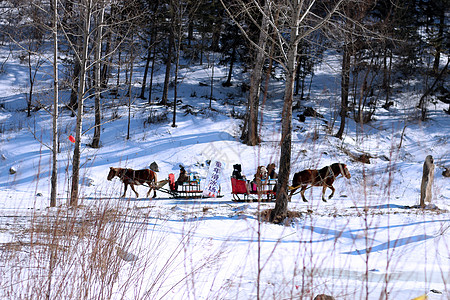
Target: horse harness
{"x":131,"y":180}
{"x":329,"y":174}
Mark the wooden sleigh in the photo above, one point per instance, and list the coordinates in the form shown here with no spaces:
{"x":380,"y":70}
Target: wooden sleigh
{"x":246,"y":191}
{"x":187,"y":190}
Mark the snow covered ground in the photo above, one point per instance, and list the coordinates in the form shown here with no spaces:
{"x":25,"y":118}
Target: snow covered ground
{"x":367,"y":242}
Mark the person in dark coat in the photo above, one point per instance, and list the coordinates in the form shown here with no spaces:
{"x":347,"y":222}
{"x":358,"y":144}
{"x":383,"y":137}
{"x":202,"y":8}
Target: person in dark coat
{"x":183,"y":177}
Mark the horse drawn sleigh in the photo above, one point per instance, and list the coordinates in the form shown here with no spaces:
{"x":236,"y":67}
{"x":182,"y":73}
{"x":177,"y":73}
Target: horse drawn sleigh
{"x":187,"y":189}
{"x":263,"y":185}
{"x":187,"y":186}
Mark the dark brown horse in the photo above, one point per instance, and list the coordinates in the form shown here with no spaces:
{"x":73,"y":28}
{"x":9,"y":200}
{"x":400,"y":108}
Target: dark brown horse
{"x":323,"y":177}
{"x":134,"y":177}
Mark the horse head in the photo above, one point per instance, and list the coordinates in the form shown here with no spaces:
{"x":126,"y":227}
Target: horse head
{"x":341,"y":169}
{"x":112,"y":173}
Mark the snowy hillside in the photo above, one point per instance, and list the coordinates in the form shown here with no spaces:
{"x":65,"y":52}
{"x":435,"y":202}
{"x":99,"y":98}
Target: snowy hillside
{"x":368,"y":241}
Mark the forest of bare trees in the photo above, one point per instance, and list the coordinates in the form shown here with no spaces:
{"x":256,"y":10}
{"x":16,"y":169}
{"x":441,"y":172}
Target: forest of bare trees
{"x":94,"y":42}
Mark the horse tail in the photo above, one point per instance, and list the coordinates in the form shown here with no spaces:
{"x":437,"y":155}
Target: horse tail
{"x":296,"y":182}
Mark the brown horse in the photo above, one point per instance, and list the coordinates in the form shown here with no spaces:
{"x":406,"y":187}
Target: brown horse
{"x":323,"y":177}
{"x":134,"y":177}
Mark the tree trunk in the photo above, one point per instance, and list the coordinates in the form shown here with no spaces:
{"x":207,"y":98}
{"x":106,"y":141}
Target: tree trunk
{"x":119,"y":63}
{"x":427,"y":181}
{"x":104,"y":66}
{"x":150,"y":86}
{"x":54,"y":178}
{"x":297,"y":78}
{"x":281,"y":204}
{"x":129,"y":93}
{"x":73,"y":103}
{"x":250,"y":134}
{"x":177,"y":65}
{"x":279,"y":212}
{"x":97,"y":78}
{"x":175,"y":95}
{"x":345,"y":84}
{"x":168,"y":66}
{"x":144,"y":79}
{"x":440,"y":40}
{"x":30,"y":78}
{"x":230,"y":70}
{"x":211,"y":91}
{"x":387,"y":71}
{"x":79,"y":125}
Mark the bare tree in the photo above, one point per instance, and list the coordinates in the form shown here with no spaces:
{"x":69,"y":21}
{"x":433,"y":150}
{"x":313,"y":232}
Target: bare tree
{"x":34,"y":62}
{"x":152,"y":14}
{"x":54,"y":178}
{"x":168,"y":65}
{"x":97,"y":72}
{"x":350,"y":33}
{"x":86,"y":7}
{"x":89,"y":56}
{"x":33,"y":26}
{"x":176,"y":12}
{"x":298,"y":20}
{"x":250,"y":134}
{"x":28,"y":36}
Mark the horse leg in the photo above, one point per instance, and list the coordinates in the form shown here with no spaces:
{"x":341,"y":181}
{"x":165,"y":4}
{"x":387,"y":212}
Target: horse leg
{"x":302,"y":192}
{"x":324,"y":188}
{"x":332,"y":191}
{"x":125,"y":189}
{"x":154,"y":191}
{"x":132,"y":187}
{"x":155,"y":181}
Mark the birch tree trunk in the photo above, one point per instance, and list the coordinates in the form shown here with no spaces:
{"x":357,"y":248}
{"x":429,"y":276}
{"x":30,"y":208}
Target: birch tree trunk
{"x":83,"y":57}
{"x":97,"y":76}
{"x":54,"y":178}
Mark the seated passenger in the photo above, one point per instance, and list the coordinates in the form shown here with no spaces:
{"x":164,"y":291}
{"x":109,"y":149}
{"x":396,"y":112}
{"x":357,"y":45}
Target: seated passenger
{"x":237,"y":172}
{"x":271,"y":171}
{"x":183,"y":177}
{"x":260,"y":176}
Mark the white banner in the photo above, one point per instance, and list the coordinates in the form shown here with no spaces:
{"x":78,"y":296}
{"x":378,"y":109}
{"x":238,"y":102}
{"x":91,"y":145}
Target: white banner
{"x":212,"y":186}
